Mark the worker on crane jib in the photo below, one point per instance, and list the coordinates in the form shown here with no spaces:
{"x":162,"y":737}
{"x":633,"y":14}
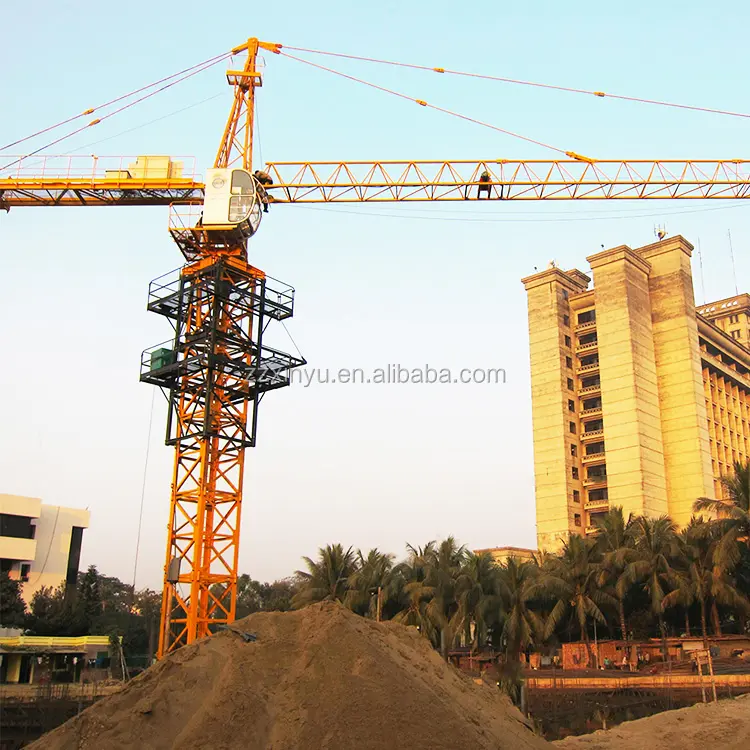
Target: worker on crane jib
{"x":262,"y":179}
{"x":485,"y":185}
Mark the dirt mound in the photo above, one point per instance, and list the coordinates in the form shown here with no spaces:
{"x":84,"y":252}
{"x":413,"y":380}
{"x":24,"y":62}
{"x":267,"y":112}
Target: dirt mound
{"x":318,"y":678}
{"x":724,"y":725}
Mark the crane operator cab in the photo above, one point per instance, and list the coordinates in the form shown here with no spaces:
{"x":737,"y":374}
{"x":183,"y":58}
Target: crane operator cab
{"x":234,"y":201}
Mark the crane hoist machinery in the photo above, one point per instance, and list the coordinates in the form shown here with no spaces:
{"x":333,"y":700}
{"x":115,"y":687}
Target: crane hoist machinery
{"x":215,"y":368}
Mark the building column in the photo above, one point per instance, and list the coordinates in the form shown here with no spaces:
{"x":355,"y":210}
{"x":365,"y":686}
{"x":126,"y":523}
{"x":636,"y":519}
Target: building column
{"x":687,"y":452}
{"x":630,"y":395}
{"x":551,"y":368}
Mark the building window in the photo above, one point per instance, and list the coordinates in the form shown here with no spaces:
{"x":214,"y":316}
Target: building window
{"x":567,"y":341}
{"x":25,"y":569}
{"x":574,"y":472}
{"x":572,"y":427}
{"x":735,"y":334}
{"x":566,"y":320}
{"x":18,"y":527}
{"x":593,"y":448}
{"x":565,"y":294}
{"x":573,"y":449}
{"x":734,"y":318}
{"x":577,"y":519}
{"x":588,"y":338}
{"x":569,"y":363}
{"x":570,"y":384}
{"x":576,"y":496}
{"x":591,"y":382}
{"x":587,"y":317}
{"x":571,"y":405}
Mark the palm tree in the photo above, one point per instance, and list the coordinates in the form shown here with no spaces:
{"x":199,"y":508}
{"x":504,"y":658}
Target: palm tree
{"x":477,"y":598}
{"x":572,"y":581}
{"x":732,"y":514}
{"x":656,"y":549}
{"x":326,"y":579}
{"x":432,"y":599}
{"x":371,"y":584}
{"x":517,"y":586}
{"x":410,"y":579}
{"x":699,"y":580}
{"x":616,"y":545}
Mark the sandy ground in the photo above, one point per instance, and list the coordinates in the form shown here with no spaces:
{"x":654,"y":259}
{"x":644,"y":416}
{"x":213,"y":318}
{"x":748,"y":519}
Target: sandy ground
{"x":714,"y":726}
{"x":318,"y":679}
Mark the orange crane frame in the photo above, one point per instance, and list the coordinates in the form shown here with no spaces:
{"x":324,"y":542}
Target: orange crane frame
{"x":210,"y":435}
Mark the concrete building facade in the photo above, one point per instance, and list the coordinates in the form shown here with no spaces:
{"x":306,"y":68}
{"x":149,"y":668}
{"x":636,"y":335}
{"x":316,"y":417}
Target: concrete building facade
{"x":638,"y":399}
{"x":40,"y":545}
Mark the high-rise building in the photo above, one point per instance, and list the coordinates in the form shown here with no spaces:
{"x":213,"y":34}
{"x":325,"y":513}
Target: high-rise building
{"x":638,"y":399}
{"x":40,"y":545}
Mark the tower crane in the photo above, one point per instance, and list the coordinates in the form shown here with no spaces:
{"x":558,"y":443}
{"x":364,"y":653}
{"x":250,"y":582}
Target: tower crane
{"x":216,"y":367}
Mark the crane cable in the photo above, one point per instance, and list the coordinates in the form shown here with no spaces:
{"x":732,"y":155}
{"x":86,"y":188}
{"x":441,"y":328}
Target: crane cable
{"x":501,"y":79}
{"x":193,"y":71}
{"x":423,"y":103}
{"x":91,"y":110}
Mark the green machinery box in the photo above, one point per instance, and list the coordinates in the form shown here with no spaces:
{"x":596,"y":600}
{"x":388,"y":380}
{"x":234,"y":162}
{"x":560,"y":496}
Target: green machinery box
{"x":161,"y":358}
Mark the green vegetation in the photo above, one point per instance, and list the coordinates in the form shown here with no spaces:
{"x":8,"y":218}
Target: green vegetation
{"x":637,"y":578}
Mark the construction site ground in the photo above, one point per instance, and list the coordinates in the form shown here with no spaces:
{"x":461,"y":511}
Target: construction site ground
{"x":724,"y":725}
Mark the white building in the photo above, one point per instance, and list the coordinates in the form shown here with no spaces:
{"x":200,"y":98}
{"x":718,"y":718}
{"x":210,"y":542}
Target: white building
{"x":40,"y":545}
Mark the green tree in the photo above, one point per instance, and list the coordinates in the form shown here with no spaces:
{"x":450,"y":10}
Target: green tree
{"x":615,"y":544}
{"x":277,"y":596}
{"x":699,"y":580}
{"x":518,"y":585}
{"x":372,"y":581}
{"x":477,"y":598}
{"x":445,"y":580}
{"x":56,"y":612}
{"x":413,"y":593}
{"x":572,"y":580}
{"x":12,"y":605}
{"x":732,"y":515}
{"x":656,"y":548}
{"x":326,"y":579}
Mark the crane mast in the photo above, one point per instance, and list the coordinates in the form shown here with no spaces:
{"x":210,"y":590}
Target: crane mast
{"x":214,"y":371}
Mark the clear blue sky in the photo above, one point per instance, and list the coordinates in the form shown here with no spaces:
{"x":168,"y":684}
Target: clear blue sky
{"x":365,"y":465}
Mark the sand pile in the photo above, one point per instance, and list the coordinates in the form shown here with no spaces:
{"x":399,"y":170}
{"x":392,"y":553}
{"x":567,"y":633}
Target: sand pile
{"x":318,"y":678}
{"x":724,"y":725}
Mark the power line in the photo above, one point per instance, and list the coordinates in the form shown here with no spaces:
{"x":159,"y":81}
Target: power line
{"x":211,"y":60}
{"x":534,"y":220}
{"x":143,"y":489}
{"x":423,"y":103}
{"x":501,"y":79}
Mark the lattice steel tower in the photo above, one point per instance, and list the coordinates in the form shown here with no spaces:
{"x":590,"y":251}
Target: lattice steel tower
{"x":214,"y":371}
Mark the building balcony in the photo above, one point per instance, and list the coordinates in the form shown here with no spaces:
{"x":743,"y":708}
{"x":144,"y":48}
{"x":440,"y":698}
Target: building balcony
{"x":588,"y":368}
{"x":592,"y":345}
{"x":597,"y":504}
{"x":590,"y":389}
{"x":596,"y":411}
{"x":593,"y":458}
{"x":592,"y":530}
{"x":18,"y":549}
{"x":595,"y":481}
{"x":592,"y":434}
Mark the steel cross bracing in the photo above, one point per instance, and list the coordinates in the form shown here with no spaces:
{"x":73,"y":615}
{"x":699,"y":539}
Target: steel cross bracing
{"x":215,"y":371}
{"x":405,"y":181}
